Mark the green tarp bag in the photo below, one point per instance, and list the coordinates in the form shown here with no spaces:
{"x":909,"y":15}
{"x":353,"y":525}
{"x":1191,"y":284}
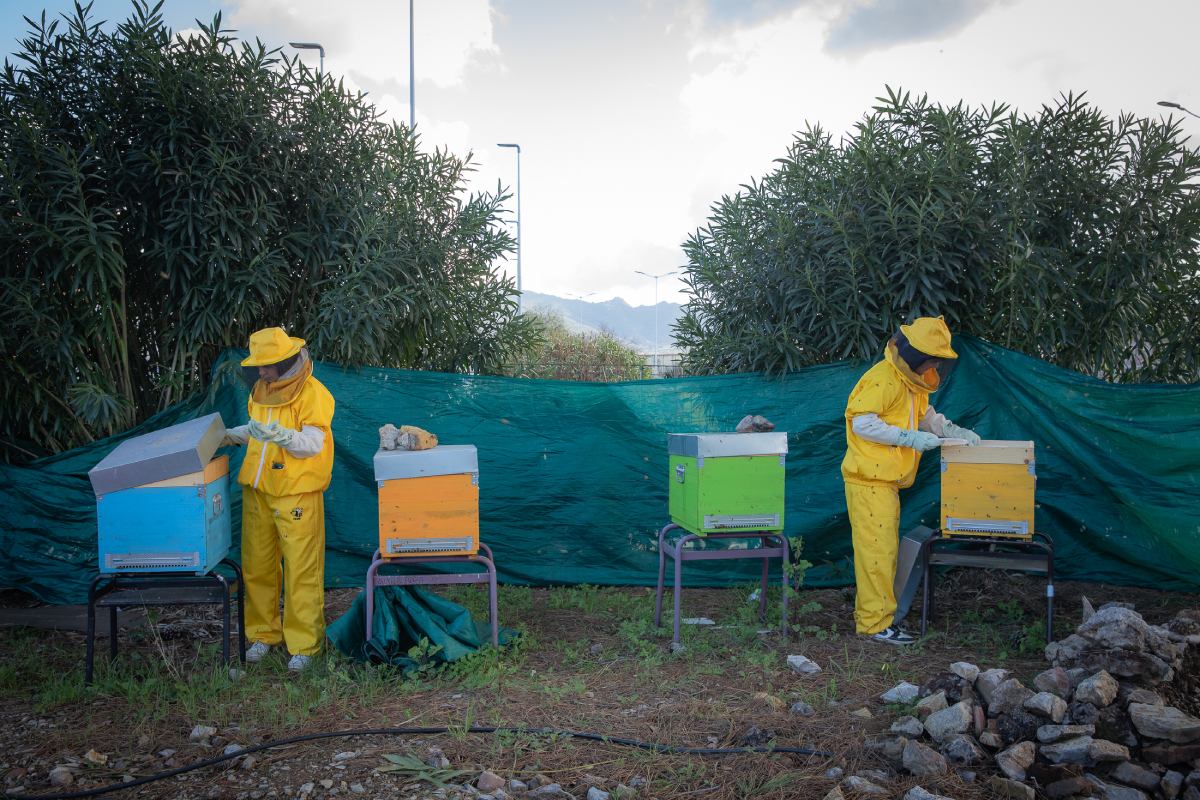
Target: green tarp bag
{"x":404,"y":617}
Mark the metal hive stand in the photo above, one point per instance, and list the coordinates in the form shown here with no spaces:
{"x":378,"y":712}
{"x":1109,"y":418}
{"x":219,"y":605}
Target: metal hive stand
{"x":488,"y":576}
{"x":164,"y":589}
{"x":1034,"y":555}
{"x":774,"y":545}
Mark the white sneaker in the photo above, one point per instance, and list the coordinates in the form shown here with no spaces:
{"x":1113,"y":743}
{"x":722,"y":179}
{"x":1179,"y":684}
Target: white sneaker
{"x":299,"y":663}
{"x":895,"y":636}
{"x":256,"y":652}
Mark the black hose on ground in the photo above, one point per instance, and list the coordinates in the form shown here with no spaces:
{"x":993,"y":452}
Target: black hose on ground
{"x":668,"y":749}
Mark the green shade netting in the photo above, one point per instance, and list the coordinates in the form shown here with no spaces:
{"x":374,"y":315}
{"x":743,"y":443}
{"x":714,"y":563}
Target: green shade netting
{"x":573,"y":476}
{"x":407,"y":617}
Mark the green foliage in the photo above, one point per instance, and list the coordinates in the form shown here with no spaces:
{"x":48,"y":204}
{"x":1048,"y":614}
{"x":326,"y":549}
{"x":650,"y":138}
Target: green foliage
{"x":563,"y":355}
{"x":415,"y":770}
{"x":162,"y":197}
{"x":1066,"y":235}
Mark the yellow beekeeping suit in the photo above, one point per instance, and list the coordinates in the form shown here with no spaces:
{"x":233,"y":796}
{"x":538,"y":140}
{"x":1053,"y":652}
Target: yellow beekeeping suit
{"x":283,"y":513}
{"x":874,"y":473}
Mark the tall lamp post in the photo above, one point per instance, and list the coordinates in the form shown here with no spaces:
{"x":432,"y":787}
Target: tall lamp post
{"x":311,"y":46}
{"x":1169,"y":104}
{"x":655,"y":277}
{"x":581,"y":298}
{"x":518,"y":149}
{"x":412,"y":83}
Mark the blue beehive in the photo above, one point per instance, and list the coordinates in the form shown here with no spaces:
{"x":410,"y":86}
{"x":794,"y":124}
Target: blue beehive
{"x":162,"y":501}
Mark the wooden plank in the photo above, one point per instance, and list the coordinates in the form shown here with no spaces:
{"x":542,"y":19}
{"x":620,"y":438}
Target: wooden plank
{"x":69,"y":618}
{"x":989,"y":451}
{"x":216,"y":468}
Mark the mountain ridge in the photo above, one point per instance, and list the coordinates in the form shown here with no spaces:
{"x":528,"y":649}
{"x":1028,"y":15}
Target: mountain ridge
{"x":631,"y":324}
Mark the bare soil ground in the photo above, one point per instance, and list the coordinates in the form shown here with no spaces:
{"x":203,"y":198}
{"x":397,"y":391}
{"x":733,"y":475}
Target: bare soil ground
{"x":588,"y":659}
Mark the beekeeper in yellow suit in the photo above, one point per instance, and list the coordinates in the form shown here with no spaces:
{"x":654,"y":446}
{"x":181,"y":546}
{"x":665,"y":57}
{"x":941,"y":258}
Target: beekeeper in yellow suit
{"x":288,"y":464}
{"x":889,"y":423}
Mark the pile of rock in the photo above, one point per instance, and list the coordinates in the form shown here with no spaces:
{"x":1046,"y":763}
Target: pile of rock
{"x":1093,"y":725}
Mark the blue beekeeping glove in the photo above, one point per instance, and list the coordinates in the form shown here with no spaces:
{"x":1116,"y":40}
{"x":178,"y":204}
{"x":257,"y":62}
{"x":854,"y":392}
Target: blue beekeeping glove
{"x":917,"y":440}
{"x":280,"y":435}
{"x":958,"y":432}
{"x":258,"y":431}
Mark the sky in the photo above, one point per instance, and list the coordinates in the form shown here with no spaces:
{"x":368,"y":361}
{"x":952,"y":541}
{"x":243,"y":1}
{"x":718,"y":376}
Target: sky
{"x":635,"y":116}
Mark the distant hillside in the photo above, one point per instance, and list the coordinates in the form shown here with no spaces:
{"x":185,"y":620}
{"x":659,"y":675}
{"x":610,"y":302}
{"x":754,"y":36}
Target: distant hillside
{"x":633,"y":324}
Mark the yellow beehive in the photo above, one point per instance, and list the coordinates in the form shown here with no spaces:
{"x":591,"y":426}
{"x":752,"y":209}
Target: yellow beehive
{"x":428,"y":501}
{"x":988,"y":489}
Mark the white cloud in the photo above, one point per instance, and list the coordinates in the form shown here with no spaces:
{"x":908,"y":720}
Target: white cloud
{"x":635,"y":116}
{"x":368,"y":39}
{"x":188,"y":33}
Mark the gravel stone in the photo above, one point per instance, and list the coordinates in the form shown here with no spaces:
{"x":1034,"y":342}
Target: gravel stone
{"x":903,"y":692}
{"x":1011,"y":789}
{"x":864,"y":786}
{"x":1171,"y":784}
{"x":61,"y":776}
{"x":1083,"y":714}
{"x":1070,"y":787}
{"x":802,"y":709}
{"x":908,"y":726}
{"x":489,"y":782}
{"x":947,"y":722}
{"x":1100,"y":690}
{"x":991,"y":739}
{"x":1069,"y":751}
{"x":1048,"y":705}
{"x":1164,"y":722}
{"x":920,"y":793}
{"x":987,"y":682}
{"x":1056,"y":681}
{"x":1048,"y":734}
{"x":202,"y":733}
{"x":962,"y":750}
{"x":1009,"y":696}
{"x":803,"y":665}
{"x":1014,"y":761}
{"x":966,"y":671}
{"x":923,"y":761}
{"x":1103,"y":750}
{"x":1131,"y":774}
{"x":932,"y":704}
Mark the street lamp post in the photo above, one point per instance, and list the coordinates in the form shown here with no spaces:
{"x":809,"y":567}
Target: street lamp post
{"x":581,"y":298}
{"x":518,"y":149}
{"x":655,"y":277}
{"x":1169,"y":104}
{"x":311,"y":46}
{"x":412,"y":82}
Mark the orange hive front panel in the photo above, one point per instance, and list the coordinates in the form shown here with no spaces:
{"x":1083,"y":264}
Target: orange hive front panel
{"x":430,"y":515}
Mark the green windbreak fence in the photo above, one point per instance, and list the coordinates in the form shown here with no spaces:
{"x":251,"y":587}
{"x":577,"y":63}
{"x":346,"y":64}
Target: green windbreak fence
{"x":573,"y":476}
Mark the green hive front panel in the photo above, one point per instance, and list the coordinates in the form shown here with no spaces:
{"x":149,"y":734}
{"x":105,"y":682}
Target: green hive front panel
{"x":718,"y":483}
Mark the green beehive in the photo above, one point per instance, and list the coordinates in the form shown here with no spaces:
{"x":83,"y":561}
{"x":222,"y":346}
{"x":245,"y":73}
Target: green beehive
{"x":727,"y":482}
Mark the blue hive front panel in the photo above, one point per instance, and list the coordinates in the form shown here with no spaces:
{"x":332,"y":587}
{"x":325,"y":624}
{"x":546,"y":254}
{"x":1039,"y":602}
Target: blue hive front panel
{"x":164,"y":529}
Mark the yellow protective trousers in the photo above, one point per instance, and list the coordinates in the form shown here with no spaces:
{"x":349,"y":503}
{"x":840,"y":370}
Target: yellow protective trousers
{"x":291,"y":528}
{"x":875,"y":528}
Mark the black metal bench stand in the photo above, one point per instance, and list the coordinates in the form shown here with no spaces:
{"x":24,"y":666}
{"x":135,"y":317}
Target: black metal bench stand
{"x":163,"y":589}
{"x":1034,"y":555}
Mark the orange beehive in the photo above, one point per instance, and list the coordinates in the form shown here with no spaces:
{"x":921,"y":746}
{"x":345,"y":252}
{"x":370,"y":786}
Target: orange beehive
{"x":428,"y":501}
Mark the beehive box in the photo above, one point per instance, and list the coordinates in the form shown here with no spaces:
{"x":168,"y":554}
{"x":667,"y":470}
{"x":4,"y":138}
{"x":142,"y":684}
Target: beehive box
{"x":988,"y":489}
{"x":428,"y":501}
{"x":726,"y":482}
{"x":162,"y":501}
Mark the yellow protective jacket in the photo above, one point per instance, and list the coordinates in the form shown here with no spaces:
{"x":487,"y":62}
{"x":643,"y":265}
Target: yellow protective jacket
{"x":270,"y":468}
{"x":890,"y":390}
